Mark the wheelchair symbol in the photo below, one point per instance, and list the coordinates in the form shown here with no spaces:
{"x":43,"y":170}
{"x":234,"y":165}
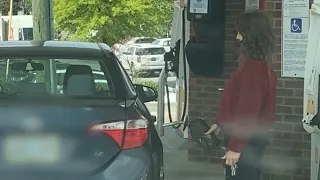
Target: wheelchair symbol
{"x":296,"y":25}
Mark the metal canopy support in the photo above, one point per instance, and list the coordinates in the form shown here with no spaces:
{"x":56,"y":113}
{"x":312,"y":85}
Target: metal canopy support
{"x":161,"y":93}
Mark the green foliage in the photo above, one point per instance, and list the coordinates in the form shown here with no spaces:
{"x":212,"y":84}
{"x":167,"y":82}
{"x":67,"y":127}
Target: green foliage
{"x":8,"y":85}
{"x":5,"y":6}
{"x":28,"y":6}
{"x":113,"y":19}
{"x":151,"y":84}
{"x":102,"y":86}
{"x":18,"y":5}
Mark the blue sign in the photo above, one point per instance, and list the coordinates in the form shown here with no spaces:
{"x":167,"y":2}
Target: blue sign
{"x":296,"y":25}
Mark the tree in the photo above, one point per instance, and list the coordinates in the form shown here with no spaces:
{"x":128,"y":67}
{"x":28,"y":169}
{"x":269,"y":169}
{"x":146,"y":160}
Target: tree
{"x":18,"y":5}
{"x":5,"y":6}
{"x":113,"y":20}
{"x":27,"y":5}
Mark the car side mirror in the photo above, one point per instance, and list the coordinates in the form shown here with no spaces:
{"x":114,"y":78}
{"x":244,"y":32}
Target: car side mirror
{"x":146,"y":93}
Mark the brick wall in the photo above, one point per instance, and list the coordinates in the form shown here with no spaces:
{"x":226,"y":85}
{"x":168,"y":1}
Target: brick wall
{"x":288,"y":154}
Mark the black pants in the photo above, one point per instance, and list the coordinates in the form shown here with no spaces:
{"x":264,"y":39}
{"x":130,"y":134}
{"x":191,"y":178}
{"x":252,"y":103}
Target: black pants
{"x":249,"y":165}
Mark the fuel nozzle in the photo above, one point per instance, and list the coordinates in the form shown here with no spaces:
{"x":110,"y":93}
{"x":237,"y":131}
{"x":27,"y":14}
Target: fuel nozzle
{"x":198,"y":127}
{"x":171,"y":58}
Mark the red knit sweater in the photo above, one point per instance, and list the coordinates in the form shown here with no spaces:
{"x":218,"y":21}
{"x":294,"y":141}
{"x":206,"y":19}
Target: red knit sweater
{"x":248,"y":103}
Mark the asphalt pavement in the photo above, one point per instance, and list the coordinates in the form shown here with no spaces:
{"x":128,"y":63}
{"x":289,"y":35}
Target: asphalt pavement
{"x":152,"y":106}
{"x":176,"y":163}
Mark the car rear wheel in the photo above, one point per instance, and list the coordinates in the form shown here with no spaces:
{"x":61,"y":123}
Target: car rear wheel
{"x":161,"y":174}
{"x":158,"y":168}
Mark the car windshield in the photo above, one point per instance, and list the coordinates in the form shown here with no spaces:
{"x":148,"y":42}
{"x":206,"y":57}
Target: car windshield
{"x":155,"y":42}
{"x":55,"y":77}
{"x":153,"y":51}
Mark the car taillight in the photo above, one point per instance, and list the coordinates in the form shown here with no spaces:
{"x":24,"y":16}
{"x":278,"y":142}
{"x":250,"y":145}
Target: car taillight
{"x":135,"y":132}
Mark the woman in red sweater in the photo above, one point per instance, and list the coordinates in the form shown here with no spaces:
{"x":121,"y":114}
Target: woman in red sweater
{"x":247,"y":107}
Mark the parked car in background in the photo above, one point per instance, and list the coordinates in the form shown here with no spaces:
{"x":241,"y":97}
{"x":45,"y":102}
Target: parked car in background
{"x":147,"y":58}
{"x":84,"y":133}
{"x":141,"y":40}
{"x":119,"y":48}
{"x":165,"y":42}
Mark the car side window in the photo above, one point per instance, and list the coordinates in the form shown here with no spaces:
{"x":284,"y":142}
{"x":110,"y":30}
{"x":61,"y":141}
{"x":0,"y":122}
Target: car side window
{"x":150,"y":40}
{"x":127,"y":79}
{"x":138,"y":51}
{"x":102,"y":82}
{"x":134,"y":50}
{"x":137,"y":41}
{"x":143,"y":108}
{"x":127,"y":51}
{"x":130,"y":51}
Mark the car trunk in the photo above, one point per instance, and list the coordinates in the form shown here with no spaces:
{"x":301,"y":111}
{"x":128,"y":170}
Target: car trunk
{"x":153,"y":60}
{"x":56,"y":138}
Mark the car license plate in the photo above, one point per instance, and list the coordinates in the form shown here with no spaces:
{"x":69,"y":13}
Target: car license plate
{"x":153,"y":59}
{"x":44,"y":149}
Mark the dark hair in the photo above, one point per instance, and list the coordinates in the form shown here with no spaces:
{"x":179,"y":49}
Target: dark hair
{"x":258,"y":38}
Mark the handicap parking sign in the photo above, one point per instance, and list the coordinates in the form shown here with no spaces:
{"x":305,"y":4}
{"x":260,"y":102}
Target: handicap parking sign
{"x":296,"y":25}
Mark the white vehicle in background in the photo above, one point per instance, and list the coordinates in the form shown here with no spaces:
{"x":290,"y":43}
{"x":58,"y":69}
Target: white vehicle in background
{"x":119,"y":48}
{"x":147,"y":58}
{"x":140,"y":40}
{"x":165,"y":42}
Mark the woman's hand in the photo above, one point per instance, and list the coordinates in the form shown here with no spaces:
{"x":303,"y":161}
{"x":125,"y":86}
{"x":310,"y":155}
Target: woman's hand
{"x":213,"y":129}
{"x":231,"y":157}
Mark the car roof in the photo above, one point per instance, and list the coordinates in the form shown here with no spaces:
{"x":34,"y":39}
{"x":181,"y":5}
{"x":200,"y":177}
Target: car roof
{"x":143,"y":37}
{"x":164,"y":39}
{"x":146,"y":46}
{"x":137,"y":38}
{"x":52,"y":49}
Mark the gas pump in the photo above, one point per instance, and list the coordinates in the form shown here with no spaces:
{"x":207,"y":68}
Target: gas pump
{"x":203,"y":53}
{"x":174,"y":59}
{"x":311,"y":119}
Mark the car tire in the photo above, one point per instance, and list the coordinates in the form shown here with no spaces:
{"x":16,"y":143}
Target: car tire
{"x":158,"y":168}
{"x":161,"y":173}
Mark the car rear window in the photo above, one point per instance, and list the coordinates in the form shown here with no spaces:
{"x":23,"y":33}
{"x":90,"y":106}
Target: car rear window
{"x":56,"y":77}
{"x":153,"y":51}
{"x":145,"y":40}
{"x":155,"y":42}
